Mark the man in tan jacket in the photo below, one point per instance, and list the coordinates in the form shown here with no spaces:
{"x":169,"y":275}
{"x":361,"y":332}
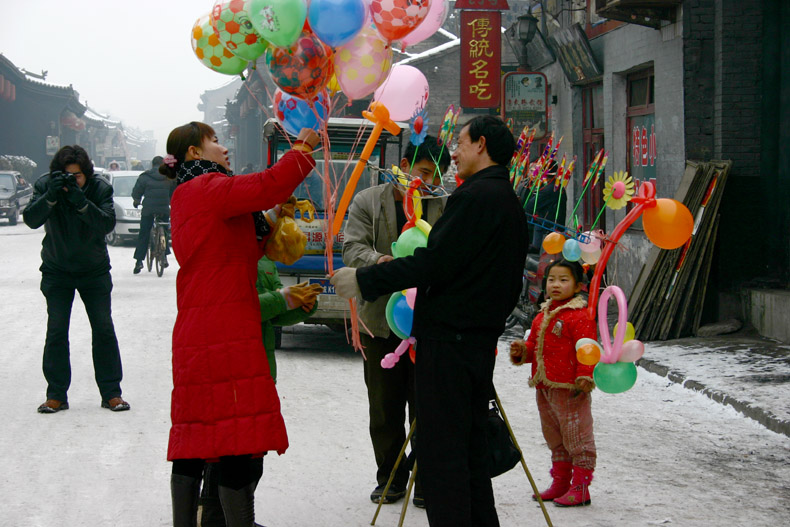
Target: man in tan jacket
{"x":375,"y":220}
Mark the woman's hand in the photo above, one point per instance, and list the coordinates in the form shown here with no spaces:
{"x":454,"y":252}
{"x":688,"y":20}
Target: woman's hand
{"x":308,"y":137}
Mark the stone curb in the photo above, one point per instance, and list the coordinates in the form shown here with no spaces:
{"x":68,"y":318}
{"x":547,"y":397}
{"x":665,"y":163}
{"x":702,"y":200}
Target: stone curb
{"x":765,"y":418}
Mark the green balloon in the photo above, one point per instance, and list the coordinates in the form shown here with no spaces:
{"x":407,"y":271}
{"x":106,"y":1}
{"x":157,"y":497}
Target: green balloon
{"x":278,"y":21}
{"x":615,"y":378}
{"x":390,"y":318}
{"x":408,"y":241}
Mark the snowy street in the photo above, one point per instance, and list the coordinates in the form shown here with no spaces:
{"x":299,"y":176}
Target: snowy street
{"x":666,"y":455}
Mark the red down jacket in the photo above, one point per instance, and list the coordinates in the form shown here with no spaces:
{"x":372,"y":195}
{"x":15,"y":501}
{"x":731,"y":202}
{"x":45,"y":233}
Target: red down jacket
{"x":224,"y":401}
{"x":551,"y":346}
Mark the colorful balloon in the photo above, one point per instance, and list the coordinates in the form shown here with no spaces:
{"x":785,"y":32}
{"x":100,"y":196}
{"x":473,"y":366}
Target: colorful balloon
{"x":632,"y":351}
{"x":399,"y":315}
{"x":594,"y":244}
{"x":303,"y":69}
{"x":611,"y":352}
{"x":211,"y":52}
{"x":408,"y":241}
{"x":336,"y":22}
{"x":436,"y":16}
{"x":669,"y":224}
{"x":395,"y":19}
{"x":571,"y":250}
{"x":278,"y":21}
{"x":411,"y":296}
{"x":362,"y":64}
{"x":588,"y":351}
{"x":614,"y":378}
{"x":231,"y":23}
{"x":404,"y":92}
{"x":591,"y":258}
{"x":553,"y":243}
{"x":294,"y":113}
{"x":630,"y":332}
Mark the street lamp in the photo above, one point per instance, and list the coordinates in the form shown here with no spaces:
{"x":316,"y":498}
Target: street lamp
{"x":520,"y":34}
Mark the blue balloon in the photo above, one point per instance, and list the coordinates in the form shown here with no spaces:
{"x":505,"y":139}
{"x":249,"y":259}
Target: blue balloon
{"x":403,"y":315}
{"x":294,"y":113}
{"x":336,"y":22}
{"x":571,"y":250}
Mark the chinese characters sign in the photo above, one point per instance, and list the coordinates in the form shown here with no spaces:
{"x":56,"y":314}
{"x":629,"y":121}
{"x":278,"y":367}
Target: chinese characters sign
{"x":643,"y":147}
{"x":524,"y":100}
{"x":481,"y":46}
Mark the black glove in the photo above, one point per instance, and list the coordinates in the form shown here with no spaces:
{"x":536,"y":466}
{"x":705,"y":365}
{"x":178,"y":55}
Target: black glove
{"x":75,"y":196}
{"x":135,"y":204}
{"x":57,"y":180}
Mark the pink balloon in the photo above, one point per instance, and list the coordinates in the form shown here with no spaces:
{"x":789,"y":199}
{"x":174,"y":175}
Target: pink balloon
{"x":404,"y":92}
{"x":391,"y":359}
{"x":362,"y":64}
{"x":594,"y":244}
{"x":411,"y":296}
{"x":437,"y":14}
{"x":611,"y":353}
{"x":632,"y":351}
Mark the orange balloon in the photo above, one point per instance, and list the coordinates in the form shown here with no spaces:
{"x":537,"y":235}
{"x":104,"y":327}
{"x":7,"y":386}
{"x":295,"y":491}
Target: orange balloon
{"x":553,"y":243}
{"x":588,"y":354}
{"x":668,"y":224}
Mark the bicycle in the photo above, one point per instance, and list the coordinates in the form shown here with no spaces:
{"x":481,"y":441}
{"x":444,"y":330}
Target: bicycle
{"x":157,"y":246}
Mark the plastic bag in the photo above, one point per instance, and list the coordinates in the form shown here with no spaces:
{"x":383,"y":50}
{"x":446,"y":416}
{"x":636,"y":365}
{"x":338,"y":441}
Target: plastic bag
{"x":287,"y":241}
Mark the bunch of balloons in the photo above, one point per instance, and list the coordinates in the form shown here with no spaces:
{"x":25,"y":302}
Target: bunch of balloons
{"x":615,"y":371}
{"x":306,"y":45}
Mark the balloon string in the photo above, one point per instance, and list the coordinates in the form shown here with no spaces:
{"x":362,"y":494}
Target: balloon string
{"x":559,"y":199}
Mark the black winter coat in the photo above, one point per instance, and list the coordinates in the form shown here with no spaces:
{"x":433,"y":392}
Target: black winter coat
{"x":74,"y":242}
{"x":153,"y":190}
{"x":469,"y":277}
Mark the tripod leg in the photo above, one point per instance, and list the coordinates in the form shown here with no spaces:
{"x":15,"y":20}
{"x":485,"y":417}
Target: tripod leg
{"x":392,"y":474}
{"x":523,"y":463}
{"x":408,"y":494}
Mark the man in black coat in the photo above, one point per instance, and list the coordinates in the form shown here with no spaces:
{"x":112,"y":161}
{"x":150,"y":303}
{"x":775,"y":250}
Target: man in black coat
{"x":468,"y":280}
{"x":77,"y":212}
{"x":153,"y":190}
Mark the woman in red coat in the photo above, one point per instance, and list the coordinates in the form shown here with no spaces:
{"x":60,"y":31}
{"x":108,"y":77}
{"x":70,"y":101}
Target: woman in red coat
{"x":224,"y":403}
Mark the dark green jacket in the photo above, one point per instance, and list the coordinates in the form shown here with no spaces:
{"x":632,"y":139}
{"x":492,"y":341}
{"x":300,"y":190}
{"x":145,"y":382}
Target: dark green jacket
{"x":74,"y":241}
{"x":274,"y":311}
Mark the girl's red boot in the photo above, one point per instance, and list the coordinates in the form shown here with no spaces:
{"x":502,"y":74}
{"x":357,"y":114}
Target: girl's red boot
{"x":561,"y":474}
{"x":579,"y":493}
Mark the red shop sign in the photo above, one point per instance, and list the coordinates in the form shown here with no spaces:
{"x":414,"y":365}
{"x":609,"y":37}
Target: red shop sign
{"x":481,"y":50}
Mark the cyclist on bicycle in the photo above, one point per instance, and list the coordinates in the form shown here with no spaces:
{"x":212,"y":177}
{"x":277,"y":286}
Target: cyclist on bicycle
{"x":154,"y":191}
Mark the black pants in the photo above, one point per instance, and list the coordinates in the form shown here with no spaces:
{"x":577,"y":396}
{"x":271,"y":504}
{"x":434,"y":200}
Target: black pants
{"x":234,"y":472}
{"x":390,"y":391}
{"x":144,"y":236}
{"x":95,"y":293}
{"x":453,"y":386}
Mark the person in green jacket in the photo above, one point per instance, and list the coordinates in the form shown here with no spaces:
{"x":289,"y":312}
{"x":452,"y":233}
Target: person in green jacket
{"x":280,"y":306}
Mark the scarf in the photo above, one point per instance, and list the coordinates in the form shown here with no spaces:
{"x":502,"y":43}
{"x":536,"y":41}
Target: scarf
{"x":189,"y":170}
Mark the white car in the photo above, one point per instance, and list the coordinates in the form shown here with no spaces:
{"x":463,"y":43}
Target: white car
{"x":127,"y":218}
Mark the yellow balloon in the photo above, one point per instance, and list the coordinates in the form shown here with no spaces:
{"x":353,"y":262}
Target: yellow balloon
{"x":333,"y":86}
{"x":630,"y":332}
{"x":591,"y":258}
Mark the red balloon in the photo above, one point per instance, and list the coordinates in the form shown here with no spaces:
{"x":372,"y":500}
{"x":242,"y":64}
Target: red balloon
{"x":303,"y":69}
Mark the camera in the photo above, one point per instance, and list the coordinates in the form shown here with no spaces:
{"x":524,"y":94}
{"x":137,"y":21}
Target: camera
{"x":71,"y":179}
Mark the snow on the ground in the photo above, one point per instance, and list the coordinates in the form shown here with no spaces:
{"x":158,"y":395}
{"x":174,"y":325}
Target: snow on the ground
{"x":667,"y":455}
{"x":743,"y":369}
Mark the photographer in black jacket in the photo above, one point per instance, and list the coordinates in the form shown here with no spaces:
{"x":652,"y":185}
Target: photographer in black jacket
{"x":468,"y":280}
{"x":154,"y":191}
{"x":76,"y":210}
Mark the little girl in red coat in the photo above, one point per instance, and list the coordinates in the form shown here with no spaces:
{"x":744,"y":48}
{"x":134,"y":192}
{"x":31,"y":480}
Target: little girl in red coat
{"x":563,"y":383}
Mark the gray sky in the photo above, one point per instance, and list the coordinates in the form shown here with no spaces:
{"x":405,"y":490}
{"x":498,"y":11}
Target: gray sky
{"x":131,"y":59}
